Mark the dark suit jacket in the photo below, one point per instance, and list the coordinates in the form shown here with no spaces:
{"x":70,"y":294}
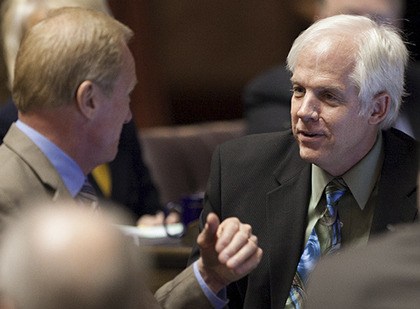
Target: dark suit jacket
{"x":132,"y":185}
{"x":386,"y":274}
{"x":267,"y":100}
{"x":262,"y":180}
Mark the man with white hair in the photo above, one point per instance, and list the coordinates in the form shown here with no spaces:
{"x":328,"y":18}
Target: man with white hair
{"x":340,"y":175}
{"x":266,"y":98}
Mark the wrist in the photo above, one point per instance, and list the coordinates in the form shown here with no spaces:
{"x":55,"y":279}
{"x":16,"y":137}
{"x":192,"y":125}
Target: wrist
{"x":210,"y":276}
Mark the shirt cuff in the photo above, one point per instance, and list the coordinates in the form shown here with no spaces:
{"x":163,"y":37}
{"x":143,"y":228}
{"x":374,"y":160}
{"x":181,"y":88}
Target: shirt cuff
{"x":218,"y":300}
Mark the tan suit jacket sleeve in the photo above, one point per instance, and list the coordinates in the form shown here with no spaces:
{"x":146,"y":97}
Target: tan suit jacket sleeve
{"x":183,"y":292}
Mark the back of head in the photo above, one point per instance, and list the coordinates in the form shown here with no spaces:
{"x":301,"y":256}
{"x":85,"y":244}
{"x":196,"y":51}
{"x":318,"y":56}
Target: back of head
{"x":63,"y":257}
{"x":68,"y":47}
{"x":379,"y":54}
{"x":17,"y":16}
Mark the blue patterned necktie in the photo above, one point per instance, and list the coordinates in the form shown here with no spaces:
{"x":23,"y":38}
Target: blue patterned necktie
{"x":313,"y":249}
{"x":87,"y":195}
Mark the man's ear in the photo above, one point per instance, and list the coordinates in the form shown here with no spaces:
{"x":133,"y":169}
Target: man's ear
{"x":85,"y":99}
{"x":381,"y":103}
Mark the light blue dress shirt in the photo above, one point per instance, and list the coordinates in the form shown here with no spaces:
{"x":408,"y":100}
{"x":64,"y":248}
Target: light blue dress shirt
{"x":69,"y":171}
{"x":218,"y":301}
{"x":73,"y":178}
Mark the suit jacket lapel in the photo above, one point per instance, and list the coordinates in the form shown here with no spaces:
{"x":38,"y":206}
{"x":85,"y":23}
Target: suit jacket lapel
{"x":19,"y":143}
{"x":286,"y":220}
{"x":287,"y":206}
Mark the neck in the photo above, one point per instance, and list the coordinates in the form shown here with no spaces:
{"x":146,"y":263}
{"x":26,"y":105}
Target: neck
{"x":63,"y":127}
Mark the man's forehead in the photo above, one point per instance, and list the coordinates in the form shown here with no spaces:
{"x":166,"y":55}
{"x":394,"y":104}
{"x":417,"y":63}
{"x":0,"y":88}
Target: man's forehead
{"x":320,"y":64}
{"x":330,"y":48}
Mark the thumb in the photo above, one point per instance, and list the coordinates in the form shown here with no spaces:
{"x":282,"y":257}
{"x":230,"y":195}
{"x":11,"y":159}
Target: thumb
{"x":207,"y":236}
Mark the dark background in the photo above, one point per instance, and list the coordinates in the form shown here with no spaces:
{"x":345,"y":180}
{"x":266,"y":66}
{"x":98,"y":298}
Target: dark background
{"x":193,"y":58}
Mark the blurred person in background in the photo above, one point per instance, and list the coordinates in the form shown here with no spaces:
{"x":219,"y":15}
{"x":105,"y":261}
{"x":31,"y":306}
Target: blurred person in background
{"x":55,"y":255}
{"x":60,"y":256}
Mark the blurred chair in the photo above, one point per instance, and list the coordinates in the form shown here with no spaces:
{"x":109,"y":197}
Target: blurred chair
{"x":179,"y":157}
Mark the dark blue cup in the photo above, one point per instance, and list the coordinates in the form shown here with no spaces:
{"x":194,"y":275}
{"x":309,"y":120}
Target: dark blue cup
{"x":189,"y":209}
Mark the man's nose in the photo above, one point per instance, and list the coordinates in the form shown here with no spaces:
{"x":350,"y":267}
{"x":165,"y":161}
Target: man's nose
{"x":309,"y":108}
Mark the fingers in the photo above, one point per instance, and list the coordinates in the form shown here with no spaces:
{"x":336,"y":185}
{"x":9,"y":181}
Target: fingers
{"x":245,"y":267}
{"x":207,"y":237}
{"x":229,"y":251}
{"x":173,"y":217}
{"x":247,"y":257}
{"x":238,"y":249}
{"x":232,"y":236}
{"x":150,"y":220}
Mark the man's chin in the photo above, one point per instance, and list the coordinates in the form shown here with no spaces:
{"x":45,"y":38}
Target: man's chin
{"x":112,"y":157}
{"x":112,"y":153}
{"x":309,"y":155}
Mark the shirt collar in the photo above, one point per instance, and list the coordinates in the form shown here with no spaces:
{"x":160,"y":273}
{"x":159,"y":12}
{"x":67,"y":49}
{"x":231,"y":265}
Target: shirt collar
{"x":69,"y":171}
{"x":361,"y":178}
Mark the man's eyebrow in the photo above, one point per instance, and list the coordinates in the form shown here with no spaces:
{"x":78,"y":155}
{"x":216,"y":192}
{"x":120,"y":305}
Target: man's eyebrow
{"x":293,"y":81}
{"x":333,"y":88}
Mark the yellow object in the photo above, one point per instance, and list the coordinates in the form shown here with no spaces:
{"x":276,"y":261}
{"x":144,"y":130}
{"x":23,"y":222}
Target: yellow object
{"x":102,"y":175}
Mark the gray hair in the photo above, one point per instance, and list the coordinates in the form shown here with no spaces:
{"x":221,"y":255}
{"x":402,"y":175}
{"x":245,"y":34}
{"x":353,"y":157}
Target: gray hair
{"x":16,"y":15}
{"x":380,"y":57}
{"x":68,"y":47}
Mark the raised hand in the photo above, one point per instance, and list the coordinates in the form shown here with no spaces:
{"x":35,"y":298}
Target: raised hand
{"x":229,"y":251}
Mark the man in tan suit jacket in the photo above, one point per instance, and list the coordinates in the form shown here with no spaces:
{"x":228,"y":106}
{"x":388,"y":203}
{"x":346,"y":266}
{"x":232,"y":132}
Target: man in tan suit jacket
{"x":73,"y":77}
{"x":26,"y":175}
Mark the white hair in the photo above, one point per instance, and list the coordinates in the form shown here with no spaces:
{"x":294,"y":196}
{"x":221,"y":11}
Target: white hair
{"x":380,"y":57}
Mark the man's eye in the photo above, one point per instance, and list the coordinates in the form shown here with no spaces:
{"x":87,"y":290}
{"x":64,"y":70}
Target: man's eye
{"x":331,"y":98}
{"x":298,"y":91}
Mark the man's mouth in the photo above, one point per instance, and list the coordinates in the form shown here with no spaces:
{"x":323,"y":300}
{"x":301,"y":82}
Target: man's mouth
{"x":309,"y":134}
